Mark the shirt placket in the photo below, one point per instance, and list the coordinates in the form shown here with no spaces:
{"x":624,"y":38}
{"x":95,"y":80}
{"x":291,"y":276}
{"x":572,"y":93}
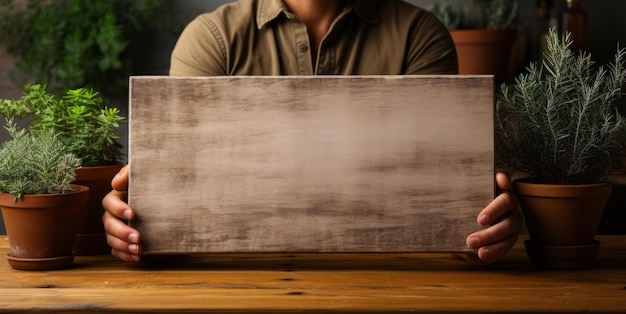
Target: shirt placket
{"x":327,"y":54}
{"x":326,"y":60}
{"x":303,"y":47}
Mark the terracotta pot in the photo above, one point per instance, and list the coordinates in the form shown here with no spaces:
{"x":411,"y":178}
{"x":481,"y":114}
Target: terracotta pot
{"x":484,"y":51}
{"x":42,"y":228}
{"x":91,"y":238}
{"x":562,"y":221}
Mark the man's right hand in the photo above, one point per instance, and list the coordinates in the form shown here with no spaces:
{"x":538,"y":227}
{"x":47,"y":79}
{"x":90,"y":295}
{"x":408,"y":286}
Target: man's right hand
{"x":124,"y":240}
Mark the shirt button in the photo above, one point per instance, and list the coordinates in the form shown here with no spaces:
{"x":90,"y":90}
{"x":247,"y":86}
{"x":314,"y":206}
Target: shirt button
{"x":302,"y":47}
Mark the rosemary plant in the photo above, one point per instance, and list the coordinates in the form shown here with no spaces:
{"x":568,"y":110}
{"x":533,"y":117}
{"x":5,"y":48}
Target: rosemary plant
{"x":35,"y":164}
{"x":84,"y":125}
{"x":559,"y":121}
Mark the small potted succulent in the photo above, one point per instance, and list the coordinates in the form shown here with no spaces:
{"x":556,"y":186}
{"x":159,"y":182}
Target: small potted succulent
{"x":42,"y":211}
{"x":560,"y":124}
{"x":88,"y":129}
{"x":483,"y":37}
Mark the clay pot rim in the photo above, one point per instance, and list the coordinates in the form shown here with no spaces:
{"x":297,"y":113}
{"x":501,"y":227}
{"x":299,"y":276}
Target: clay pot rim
{"x":525,"y":186}
{"x":464,"y":36}
{"x":484,"y":30}
{"x":7,"y":200}
{"x":96,"y":172}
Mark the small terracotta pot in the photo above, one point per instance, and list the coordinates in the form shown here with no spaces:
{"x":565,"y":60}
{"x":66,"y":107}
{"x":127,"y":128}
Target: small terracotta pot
{"x":42,"y":228}
{"x":562,"y":221}
{"x":91,"y":238}
{"x":484,"y":51}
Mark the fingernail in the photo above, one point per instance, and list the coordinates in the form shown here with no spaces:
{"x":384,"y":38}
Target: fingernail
{"x":133,"y":248}
{"x":133,"y":238}
{"x":483,"y":220}
{"x":127,"y":214}
{"x":473,"y":242}
{"x":485,"y":254}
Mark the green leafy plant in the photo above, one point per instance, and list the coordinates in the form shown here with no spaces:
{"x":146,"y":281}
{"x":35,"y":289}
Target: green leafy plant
{"x":83,"y":123}
{"x":65,"y":44}
{"x":559,"y":121}
{"x":491,"y":14}
{"x":35,"y":164}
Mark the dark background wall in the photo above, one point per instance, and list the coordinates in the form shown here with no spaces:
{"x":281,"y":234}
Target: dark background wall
{"x":607,"y":25}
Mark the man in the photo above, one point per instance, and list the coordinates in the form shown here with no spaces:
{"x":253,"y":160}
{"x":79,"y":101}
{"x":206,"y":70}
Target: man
{"x":307,"y":37}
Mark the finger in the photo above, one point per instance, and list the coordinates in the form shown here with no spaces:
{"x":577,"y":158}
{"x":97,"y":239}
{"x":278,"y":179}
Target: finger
{"x":472,"y":258}
{"x":494,"y":252}
{"x":123,"y":247}
{"x":503,"y":182}
{"x":124,"y":256}
{"x":120,"y":181}
{"x":504,"y":202}
{"x":491,"y":253}
{"x":115,"y":204}
{"x":509,"y":226}
{"x":118,"y":230}
{"x":500,"y":206}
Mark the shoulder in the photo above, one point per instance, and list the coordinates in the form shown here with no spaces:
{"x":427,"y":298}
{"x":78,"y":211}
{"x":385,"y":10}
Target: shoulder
{"x":229,"y":18}
{"x":399,"y":16}
{"x":402,"y":11}
{"x":430,"y":47}
{"x":203,"y":48}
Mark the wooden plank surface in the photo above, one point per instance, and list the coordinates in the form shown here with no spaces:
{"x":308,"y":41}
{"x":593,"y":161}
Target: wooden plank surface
{"x":310,"y":164}
{"x":314,"y":283}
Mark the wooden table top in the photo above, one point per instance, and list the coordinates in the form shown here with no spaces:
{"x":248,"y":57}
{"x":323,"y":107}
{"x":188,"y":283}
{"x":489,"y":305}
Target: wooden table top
{"x":347,"y":283}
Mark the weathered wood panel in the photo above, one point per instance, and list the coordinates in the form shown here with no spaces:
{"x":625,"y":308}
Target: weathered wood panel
{"x":318,"y":164}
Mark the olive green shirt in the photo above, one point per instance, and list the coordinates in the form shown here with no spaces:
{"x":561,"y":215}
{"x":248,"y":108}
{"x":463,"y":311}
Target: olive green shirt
{"x":261,"y":37}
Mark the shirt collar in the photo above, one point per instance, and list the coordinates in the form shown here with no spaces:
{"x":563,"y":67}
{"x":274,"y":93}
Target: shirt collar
{"x":269,"y":10}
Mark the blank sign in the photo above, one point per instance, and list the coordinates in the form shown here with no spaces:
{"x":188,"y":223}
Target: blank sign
{"x":310,"y":164}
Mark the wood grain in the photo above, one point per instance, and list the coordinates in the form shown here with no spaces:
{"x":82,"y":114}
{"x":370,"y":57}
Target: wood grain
{"x":310,"y":164}
{"x":318,"y":282}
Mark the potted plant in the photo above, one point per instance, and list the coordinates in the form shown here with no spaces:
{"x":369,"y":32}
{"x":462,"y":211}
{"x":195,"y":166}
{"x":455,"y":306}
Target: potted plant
{"x":559,"y":123}
{"x":88,"y":129}
{"x":484,"y":37}
{"x":42,"y":211}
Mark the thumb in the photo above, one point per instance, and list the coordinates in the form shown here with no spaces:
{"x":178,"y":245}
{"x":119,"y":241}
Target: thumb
{"x":120,"y":181}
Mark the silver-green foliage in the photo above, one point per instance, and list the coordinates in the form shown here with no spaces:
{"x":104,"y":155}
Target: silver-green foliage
{"x":559,"y":121}
{"x":35,"y":164}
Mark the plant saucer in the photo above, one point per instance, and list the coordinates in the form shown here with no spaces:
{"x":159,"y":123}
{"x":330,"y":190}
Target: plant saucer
{"x":562,"y":256}
{"x":44,"y":263}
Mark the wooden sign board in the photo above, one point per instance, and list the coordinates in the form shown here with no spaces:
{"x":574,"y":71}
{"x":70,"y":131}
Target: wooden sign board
{"x":310,"y":164}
